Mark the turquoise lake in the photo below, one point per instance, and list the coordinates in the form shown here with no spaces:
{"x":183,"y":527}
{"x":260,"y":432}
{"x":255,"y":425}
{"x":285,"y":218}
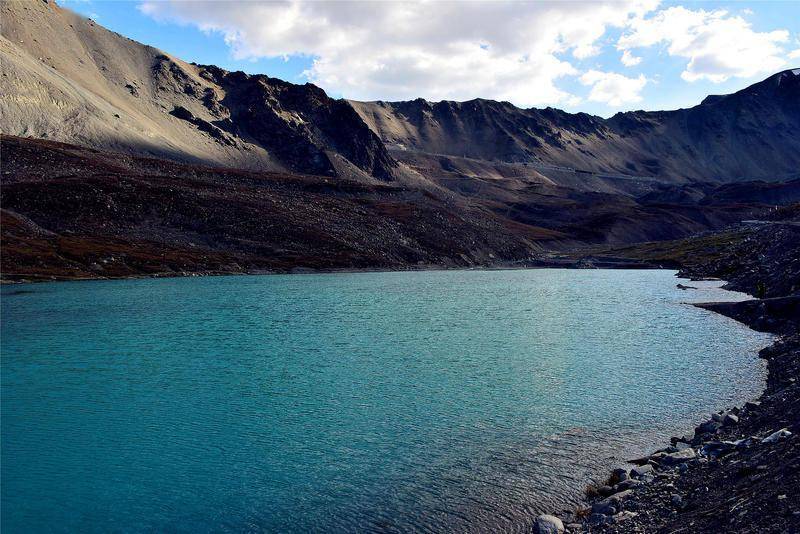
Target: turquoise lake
{"x":366,"y":402}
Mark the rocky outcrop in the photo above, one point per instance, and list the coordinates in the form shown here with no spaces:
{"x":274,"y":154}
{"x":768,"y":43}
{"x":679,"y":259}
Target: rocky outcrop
{"x":757,"y":263}
{"x":205,"y":126}
{"x":778,"y":314}
{"x":300,"y":124}
{"x":755,"y":256}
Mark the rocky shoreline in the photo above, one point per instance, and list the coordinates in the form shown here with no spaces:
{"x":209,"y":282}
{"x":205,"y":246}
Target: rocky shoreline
{"x":740,"y":470}
{"x":31,"y":279}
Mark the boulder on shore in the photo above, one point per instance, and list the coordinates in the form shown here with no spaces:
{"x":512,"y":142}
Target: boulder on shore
{"x":642,"y":470}
{"x":679,"y":457}
{"x":610,"y":505}
{"x":709,"y":427}
{"x":548,"y":524}
{"x":619,"y":475}
{"x":626,"y":485}
{"x":783,"y":433}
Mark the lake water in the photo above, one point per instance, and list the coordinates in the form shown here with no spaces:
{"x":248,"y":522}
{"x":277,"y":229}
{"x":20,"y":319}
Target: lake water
{"x":414,"y":401}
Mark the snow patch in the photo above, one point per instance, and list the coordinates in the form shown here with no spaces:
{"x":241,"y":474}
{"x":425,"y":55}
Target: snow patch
{"x":795,"y":71}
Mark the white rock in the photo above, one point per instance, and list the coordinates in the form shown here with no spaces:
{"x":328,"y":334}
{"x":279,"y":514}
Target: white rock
{"x":730,"y":419}
{"x":639,"y":472}
{"x":783,"y":433}
{"x":679,"y":457}
{"x":548,"y":524}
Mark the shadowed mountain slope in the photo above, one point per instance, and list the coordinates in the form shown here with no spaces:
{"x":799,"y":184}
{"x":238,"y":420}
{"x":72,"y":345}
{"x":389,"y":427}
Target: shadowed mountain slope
{"x":74,"y":212}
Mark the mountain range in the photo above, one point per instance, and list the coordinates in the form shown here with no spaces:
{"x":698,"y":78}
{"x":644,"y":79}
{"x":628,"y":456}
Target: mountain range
{"x":518,"y":181}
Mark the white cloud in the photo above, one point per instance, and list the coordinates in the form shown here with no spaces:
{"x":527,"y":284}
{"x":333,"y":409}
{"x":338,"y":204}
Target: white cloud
{"x":629,"y":60}
{"x":436,"y":50}
{"x":572,"y":101}
{"x":717,"y":44}
{"x":794,"y":54}
{"x":613,"y":89}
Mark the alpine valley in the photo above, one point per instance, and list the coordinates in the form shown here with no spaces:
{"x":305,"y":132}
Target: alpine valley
{"x":121,"y":160}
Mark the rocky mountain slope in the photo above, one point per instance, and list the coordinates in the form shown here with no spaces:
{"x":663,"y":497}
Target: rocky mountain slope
{"x":72,"y":212}
{"x":66,"y":78}
{"x":753,"y":134}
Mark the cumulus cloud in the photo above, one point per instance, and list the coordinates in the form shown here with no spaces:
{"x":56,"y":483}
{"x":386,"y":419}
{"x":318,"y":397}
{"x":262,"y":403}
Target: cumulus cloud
{"x":438,"y":50}
{"x":613,"y":89}
{"x":717,"y":44}
{"x":794,"y":54}
{"x":629,"y":60}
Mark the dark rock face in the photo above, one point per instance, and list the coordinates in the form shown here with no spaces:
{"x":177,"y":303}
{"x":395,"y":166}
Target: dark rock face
{"x":300,"y":124}
{"x":205,"y":126}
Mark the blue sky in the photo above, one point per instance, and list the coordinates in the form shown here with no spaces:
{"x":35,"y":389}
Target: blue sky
{"x":567,"y":55}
